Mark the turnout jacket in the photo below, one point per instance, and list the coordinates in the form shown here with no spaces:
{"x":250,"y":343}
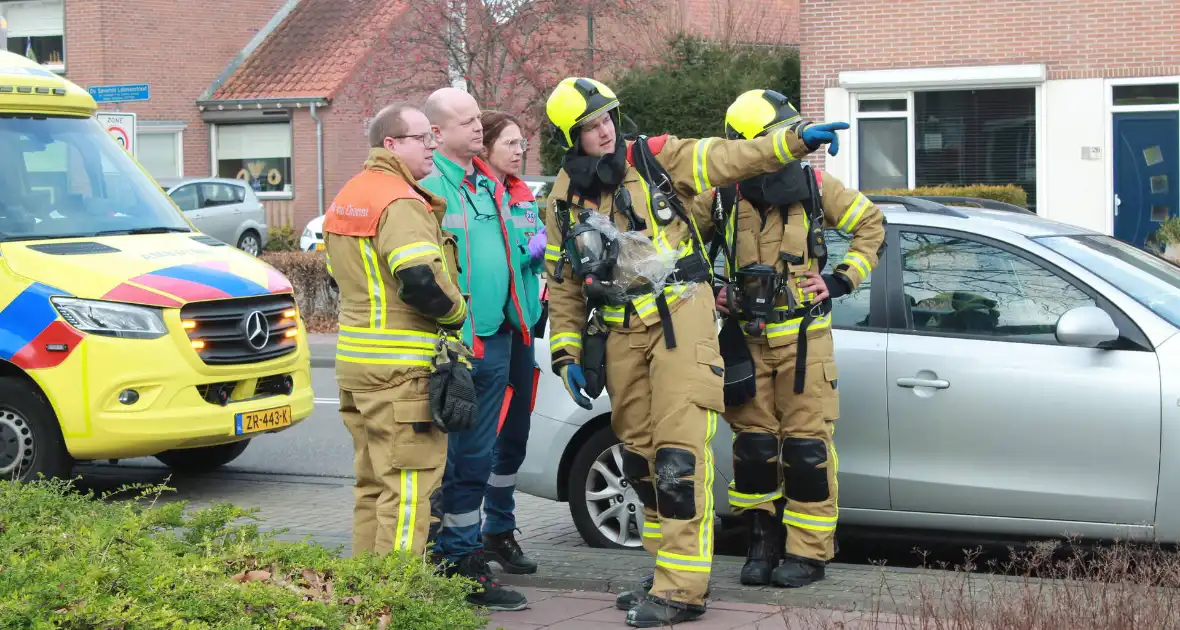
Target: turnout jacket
{"x":694,"y":166}
{"x":397,"y":274}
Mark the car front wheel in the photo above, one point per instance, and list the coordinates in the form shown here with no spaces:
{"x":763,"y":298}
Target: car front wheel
{"x":31,"y":442}
{"x":250,"y":243}
{"x":605,"y":508}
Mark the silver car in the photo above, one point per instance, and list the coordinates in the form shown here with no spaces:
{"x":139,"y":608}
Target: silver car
{"x":226,"y":209}
{"x":1000,"y":374}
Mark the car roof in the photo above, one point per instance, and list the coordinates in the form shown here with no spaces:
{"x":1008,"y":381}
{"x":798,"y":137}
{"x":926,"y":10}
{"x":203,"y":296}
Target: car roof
{"x":172,"y":182}
{"x":971,"y":214}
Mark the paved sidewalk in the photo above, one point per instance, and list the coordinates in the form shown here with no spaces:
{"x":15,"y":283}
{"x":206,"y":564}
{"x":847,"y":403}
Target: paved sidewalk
{"x":321,"y":508}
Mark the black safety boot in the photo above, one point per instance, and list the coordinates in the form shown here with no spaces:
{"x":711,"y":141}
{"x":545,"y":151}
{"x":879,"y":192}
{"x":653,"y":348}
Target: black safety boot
{"x":628,"y":599}
{"x":796,"y":571}
{"x":764,"y":545}
{"x":488,"y":592}
{"x":653,"y":612}
{"x":505,"y":551}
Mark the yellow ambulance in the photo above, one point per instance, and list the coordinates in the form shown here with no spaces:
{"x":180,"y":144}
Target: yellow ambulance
{"x":124,"y":332}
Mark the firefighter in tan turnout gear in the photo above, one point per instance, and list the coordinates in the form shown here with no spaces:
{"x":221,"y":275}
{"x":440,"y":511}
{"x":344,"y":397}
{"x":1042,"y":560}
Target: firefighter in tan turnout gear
{"x":781,"y":379}
{"x":630,"y":301}
{"x":397,"y":280}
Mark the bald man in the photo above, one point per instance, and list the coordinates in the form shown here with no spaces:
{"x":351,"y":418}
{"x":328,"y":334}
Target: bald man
{"x":489,"y":271}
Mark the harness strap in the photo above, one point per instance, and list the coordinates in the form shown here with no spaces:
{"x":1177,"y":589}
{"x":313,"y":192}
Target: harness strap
{"x":666,"y":320}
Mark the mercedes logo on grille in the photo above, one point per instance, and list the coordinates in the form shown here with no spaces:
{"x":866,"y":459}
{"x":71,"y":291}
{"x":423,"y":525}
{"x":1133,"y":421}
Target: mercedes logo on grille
{"x":257,"y":330}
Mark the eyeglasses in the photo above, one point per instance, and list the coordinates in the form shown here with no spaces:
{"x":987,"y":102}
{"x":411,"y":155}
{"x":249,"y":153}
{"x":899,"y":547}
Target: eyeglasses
{"x":523,"y":144}
{"x":429,"y":139}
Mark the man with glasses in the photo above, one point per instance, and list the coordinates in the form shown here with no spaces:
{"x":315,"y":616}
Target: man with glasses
{"x":397,"y":278}
{"x":486,"y":250}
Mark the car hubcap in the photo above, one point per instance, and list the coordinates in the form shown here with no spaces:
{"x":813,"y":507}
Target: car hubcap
{"x":16,"y":444}
{"x":251,"y":246}
{"x":613,"y":505}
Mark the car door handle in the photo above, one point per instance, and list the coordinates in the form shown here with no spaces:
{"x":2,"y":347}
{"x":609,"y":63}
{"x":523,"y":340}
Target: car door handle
{"x":923,"y":382}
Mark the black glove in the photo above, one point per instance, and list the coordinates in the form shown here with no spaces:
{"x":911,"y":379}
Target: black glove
{"x":452,"y":397}
{"x":838,"y":284}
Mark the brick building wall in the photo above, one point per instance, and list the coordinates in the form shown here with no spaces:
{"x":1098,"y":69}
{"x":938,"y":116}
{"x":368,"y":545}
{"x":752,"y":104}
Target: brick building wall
{"x":1074,"y":38}
{"x":174,"y":46}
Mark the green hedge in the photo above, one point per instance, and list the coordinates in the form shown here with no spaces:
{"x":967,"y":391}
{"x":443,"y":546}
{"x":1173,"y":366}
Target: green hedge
{"x":71,"y":561}
{"x":1009,"y":193}
{"x":687,"y":92}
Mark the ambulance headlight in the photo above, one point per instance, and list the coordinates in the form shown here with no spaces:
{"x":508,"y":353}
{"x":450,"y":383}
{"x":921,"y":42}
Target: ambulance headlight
{"x":112,"y":319}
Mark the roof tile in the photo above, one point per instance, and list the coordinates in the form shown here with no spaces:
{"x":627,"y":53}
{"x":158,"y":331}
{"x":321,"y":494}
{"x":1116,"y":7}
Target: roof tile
{"x":313,"y":51}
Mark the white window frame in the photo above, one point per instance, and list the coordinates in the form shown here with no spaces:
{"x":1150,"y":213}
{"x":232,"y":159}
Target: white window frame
{"x":177,"y":131}
{"x":905,"y":82}
{"x":261,"y":195}
{"x":1110,"y":109}
{"x":856,"y":116}
{"x":59,"y":68}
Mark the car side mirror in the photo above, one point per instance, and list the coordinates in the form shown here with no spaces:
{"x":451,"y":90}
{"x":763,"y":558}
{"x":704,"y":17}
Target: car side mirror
{"x":1086,"y":327}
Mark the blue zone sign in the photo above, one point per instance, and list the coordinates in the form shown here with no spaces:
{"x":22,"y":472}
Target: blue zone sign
{"x":120,"y":93}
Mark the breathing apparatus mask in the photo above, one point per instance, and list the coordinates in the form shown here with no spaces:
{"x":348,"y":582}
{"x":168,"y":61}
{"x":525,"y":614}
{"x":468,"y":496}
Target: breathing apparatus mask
{"x":593,"y":255}
{"x":757,"y":289}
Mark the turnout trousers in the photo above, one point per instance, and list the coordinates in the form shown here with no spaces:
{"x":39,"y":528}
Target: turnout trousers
{"x":396,"y":467}
{"x":666,"y":406}
{"x":783,"y":447}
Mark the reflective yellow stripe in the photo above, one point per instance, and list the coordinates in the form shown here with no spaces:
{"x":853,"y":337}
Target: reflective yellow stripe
{"x":644,"y":306}
{"x":858,"y":260}
{"x":652,"y":530}
{"x":406,"y":512}
{"x":807,"y":521}
{"x":328,"y":264}
{"x":791,"y":326}
{"x":406,"y":253}
{"x":458,"y":316}
{"x":552,"y":252}
{"x":706,"y":540}
{"x":386,"y":338}
{"x":782,"y":149}
{"x":744,"y":500}
{"x":679,"y":562}
{"x":700,"y":165}
{"x":561,"y":340}
{"x":854,"y":213}
{"x":375,"y":283}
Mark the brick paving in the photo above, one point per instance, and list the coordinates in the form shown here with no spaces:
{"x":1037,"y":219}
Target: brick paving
{"x":574,"y":584}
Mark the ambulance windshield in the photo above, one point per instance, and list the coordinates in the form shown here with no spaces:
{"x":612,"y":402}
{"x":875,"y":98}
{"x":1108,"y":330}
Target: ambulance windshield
{"x":63,"y":177}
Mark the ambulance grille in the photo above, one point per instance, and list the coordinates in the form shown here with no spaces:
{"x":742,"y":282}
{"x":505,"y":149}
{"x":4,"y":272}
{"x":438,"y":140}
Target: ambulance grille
{"x":226,"y":332}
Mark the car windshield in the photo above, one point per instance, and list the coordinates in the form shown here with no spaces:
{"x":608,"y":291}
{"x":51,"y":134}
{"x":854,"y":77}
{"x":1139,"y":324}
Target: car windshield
{"x":66,"y":177}
{"x":1150,"y":280}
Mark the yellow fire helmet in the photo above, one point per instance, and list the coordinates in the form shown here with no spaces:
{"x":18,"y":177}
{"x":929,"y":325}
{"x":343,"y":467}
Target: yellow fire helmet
{"x":576,"y":100}
{"x":756,"y":112}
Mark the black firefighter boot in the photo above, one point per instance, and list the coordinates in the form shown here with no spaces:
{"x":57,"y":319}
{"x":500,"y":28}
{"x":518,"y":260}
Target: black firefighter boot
{"x":503,"y":549}
{"x":797,"y":571}
{"x":654,"y":612}
{"x":762,"y":557}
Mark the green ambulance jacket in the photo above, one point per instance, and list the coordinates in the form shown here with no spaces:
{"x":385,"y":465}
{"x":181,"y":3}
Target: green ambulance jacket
{"x":519,"y":221}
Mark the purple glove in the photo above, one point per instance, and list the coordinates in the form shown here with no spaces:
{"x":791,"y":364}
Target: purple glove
{"x":537,"y":244}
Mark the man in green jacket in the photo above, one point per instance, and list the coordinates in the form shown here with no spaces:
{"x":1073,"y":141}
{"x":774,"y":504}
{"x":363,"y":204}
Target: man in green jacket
{"x":496,"y":271}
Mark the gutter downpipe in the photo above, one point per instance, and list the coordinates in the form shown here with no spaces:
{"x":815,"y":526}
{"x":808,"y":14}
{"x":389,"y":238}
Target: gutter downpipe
{"x":319,"y":157}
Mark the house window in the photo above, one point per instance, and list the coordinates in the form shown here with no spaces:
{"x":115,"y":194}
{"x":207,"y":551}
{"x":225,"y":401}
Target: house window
{"x":257,"y":153}
{"x":948,"y":137}
{"x":36,"y":29}
{"x":160,"y":152}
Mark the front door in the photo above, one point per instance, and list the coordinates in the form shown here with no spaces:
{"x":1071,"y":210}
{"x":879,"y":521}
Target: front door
{"x":989,"y":415}
{"x":1146,"y":173}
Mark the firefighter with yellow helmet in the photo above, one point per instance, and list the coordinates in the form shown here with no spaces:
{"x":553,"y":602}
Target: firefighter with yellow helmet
{"x":781,"y":389}
{"x":632,"y":310}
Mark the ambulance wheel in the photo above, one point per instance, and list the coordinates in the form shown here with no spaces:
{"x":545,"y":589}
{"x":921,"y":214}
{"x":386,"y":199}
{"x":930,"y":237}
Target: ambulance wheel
{"x":605,"y":509}
{"x":202,"y":459}
{"x":31,"y":443}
